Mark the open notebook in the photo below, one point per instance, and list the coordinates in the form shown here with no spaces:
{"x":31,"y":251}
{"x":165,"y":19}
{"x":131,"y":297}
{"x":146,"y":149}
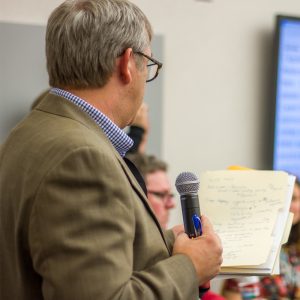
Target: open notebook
{"x":250,"y":212}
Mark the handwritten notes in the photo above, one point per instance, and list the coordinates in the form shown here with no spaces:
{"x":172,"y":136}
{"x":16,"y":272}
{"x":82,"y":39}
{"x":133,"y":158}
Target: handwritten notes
{"x":244,"y":207}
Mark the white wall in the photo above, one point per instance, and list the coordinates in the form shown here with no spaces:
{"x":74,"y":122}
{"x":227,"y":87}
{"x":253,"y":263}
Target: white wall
{"x":218,"y":75}
{"x":218,"y":58}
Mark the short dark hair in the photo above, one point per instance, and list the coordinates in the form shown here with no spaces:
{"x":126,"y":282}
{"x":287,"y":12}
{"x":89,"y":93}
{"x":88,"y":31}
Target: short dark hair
{"x":147,"y":164}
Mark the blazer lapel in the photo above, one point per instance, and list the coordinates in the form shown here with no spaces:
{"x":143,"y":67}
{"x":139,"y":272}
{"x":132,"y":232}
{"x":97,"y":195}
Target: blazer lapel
{"x":136,"y":186}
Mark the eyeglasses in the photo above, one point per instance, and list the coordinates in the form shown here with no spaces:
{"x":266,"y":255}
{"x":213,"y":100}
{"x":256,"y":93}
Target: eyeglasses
{"x":162,"y":195}
{"x":153,"y":67}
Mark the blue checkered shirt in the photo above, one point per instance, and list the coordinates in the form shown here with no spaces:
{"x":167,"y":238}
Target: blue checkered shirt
{"x":120,"y":140}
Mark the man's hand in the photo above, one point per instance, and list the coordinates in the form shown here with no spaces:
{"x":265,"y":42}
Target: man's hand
{"x":205,"y":251}
{"x":178,"y":229}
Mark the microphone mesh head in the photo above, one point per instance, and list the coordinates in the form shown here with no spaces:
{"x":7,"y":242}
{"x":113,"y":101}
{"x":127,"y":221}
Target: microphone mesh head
{"x":186,"y":183}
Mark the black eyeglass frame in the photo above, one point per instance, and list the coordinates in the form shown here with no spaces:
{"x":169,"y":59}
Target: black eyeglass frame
{"x":155,"y":62}
{"x":161,"y":195}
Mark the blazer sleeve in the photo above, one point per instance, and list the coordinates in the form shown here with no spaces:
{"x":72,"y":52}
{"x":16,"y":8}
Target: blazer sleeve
{"x":82,"y":231}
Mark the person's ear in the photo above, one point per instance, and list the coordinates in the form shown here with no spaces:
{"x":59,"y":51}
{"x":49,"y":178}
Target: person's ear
{"x":125,"y":66}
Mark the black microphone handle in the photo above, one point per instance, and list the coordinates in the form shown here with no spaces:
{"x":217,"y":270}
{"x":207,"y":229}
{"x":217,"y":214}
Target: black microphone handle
{"x":190,"y":207}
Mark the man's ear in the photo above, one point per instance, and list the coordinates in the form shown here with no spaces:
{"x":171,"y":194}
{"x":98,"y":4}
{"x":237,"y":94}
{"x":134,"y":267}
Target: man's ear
{"x":125,"y":66}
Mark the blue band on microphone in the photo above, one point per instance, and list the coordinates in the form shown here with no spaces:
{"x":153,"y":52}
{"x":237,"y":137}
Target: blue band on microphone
{"x":197,"y":225}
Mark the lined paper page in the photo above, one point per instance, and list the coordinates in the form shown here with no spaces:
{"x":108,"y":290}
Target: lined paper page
{"x":243,"y":207}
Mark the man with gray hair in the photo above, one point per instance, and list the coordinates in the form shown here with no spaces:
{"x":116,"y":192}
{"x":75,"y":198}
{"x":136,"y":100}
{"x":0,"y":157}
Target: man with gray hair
{"x":74,"y":220}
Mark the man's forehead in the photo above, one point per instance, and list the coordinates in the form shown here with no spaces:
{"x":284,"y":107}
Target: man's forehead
{"x":158,"y":178}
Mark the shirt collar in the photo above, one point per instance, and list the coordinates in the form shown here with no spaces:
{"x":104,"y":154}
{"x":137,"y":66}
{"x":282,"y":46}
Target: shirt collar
{"x":120,"y":140}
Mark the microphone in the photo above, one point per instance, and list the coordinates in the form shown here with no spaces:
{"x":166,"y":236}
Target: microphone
{"x":187,"y":185}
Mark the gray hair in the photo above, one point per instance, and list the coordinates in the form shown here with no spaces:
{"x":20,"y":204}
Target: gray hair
{"x":84,"y":38}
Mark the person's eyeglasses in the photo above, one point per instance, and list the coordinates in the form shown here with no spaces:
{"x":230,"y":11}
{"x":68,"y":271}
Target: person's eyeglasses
{"x":162,"y":195}
{"x":153,"y":66}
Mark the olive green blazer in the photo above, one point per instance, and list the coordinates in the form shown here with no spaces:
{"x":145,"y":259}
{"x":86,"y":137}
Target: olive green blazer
{"x":74,"y":222}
